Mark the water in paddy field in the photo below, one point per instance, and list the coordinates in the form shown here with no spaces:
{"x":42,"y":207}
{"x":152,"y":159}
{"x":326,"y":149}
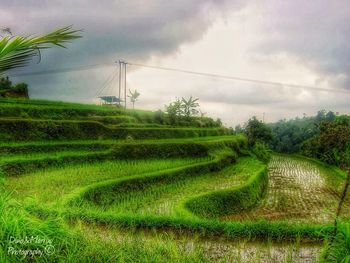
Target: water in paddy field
{"x":299,"y":191}
{"x":215,"y":249}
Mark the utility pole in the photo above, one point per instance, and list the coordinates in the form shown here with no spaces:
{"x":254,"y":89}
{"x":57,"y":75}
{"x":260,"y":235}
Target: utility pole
{"x":120,"y":81}
{"x":122,"y":74}
{"x":125,"y":82}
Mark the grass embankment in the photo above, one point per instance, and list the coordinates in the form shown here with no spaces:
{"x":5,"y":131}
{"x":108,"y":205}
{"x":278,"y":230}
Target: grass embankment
{"x":44,"y":120}
{"x":51,"y":110}
{"x":50,"y":185}
{"x":163,"y":198}
{"x":12,"y":130}
{"x":19,"y":158}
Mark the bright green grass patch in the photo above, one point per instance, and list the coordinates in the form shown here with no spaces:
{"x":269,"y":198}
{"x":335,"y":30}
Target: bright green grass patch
{"x":32,"y":148}
{"x":26,"y":156}
{"x":12,"y":129}
{"x":162,"y":199}
{"x":47,"y":186}
{"x":71,"y":245}
{"x":4,"y":146}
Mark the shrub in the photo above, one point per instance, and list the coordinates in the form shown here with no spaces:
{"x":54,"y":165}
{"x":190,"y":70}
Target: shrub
{"x":262,"y":152}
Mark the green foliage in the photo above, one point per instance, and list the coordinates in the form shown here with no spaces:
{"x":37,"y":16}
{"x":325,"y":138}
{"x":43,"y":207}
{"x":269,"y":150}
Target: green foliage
{"x":189,"y":106}
{"x":332,"y":142}
{"x":257,"y":131}
{"x":12,"y":129}
{"x":182,"y":111}
{"x":262,"y":152}
{"x":174,"y":111}
{"x":5,"y":83}
{"x":19,"y":90}
{"x":49,"y":110}
{"x":339,"y":249}
{"x":288,"y":136}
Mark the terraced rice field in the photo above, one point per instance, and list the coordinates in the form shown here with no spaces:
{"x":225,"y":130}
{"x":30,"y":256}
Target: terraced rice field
{"x":299,"y":190}
{"x":48,"y":186}
{"x":164,"y":199}
{"x":149,"y":192}
{"x":48,"y":189}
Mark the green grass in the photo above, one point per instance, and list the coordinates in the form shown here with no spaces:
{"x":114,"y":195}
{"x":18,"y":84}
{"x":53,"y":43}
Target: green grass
{"x":72,"y":245}
{"x":74,"y":173}
{"x":162,"y":198}
{"x":40,"y":155}
{"x":47,"y":186}
{"x":38,"y":129}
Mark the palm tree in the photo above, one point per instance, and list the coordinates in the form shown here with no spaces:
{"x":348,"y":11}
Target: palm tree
{"x":189,"y":106}
{"x":133,"y":97}
{"x":17,"y":51}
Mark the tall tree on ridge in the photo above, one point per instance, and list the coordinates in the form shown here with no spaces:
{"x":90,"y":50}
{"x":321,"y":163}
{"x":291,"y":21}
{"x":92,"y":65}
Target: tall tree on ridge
{"x":133,"y":95}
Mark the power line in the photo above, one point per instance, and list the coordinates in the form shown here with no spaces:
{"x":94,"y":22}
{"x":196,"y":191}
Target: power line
{"x":213,"y":75}
{"x":63,"y":70}
{"x":271,"y":83}
{"x":108,"y":81}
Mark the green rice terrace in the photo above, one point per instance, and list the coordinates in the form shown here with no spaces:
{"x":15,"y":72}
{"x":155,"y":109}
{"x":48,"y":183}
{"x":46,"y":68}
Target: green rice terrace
{"x":103,"y":184}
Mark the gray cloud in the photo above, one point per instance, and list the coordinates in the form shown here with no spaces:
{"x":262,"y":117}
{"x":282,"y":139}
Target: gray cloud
{"x":130,"y":29}
{"x":316,"y":32}
{"x":136,"y":29}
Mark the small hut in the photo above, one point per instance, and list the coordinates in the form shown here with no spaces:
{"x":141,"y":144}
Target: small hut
{"x":110,"y":100}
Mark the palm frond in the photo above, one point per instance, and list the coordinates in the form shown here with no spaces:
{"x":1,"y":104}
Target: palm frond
{"x":18,"y":51}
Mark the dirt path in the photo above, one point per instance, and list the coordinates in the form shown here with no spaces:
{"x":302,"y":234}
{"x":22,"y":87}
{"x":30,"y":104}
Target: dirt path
{"x":299,"y":191}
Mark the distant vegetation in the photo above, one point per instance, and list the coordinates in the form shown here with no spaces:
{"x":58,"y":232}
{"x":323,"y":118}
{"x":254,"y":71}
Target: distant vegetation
{"x":185,"y":111}
{"x":7,"y":89}
{"x":325,"y":136}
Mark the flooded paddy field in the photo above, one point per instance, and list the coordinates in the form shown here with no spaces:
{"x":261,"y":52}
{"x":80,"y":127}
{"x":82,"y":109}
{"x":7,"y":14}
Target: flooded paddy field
{"x":299,"y":190}
{"x":213,"y":249}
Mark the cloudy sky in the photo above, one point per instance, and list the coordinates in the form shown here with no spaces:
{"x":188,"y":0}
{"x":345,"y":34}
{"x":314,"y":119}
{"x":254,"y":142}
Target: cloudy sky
{"x":298,"y":42}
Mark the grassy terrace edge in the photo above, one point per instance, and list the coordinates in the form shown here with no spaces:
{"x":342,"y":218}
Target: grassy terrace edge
{"x":12,"y":130}
{"x":244,"y":196}
{"x":113,"y":150}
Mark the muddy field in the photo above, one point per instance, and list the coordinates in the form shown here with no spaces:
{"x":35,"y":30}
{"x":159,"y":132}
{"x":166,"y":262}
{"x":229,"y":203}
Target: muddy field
{"x":214,"y":249}
{"x":299,"y":191}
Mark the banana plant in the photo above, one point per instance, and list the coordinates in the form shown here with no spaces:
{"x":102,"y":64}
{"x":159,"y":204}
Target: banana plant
{"x":190,"y":106}
{"x":133,"y":95}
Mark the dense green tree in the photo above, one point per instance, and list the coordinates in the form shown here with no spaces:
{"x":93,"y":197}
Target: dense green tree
{"x":174,"y":110}
{"x":7,"y":89}
{"x":257,"y":132}
{"x":5,"y":83}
